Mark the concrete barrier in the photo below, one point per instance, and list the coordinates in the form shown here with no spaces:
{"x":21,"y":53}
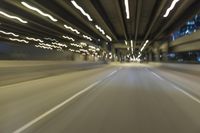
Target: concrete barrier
{"x":18,"y":71}
{"x":178,"y":67}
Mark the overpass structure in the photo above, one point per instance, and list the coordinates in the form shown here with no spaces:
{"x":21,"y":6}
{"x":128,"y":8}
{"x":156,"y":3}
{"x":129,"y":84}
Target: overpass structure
{"x":99,"y":66}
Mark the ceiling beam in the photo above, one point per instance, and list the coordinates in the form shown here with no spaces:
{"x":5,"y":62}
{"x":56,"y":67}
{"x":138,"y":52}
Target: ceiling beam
{"x":158,"y":8}
{"x":100,"y":10}
{"x":138,"y":15}
{"x":172,"y":19}
{"x":191,"y":11}
{"x":121,"y":18}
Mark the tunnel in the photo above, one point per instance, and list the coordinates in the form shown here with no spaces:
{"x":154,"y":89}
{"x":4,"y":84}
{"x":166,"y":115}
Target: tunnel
{"x":99,"y":66}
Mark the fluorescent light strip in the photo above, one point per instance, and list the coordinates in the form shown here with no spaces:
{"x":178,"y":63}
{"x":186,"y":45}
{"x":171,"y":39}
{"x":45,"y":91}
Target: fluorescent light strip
{"x":69,"y":38}
{"x":50,"y":39}
{"x":87,"y":37}
{"x":100,"y":29}
{"x":18,"y":40}
{"x":39,"y":11}
{"x":92,"y":47}
{"x":171,"y":8}
{"x":72,"y":29}
{"x":60,"y":44}
{"x":109,"y":38}
{"x":83,"y":50}
{"x":144,"y":45}
{"x":83,"y":44}
{"x":76,"y":45}
{"x":126,"y":43}
{"x":72,"y":50}
{"x":126,"y":3}
{"x":9,"y":33}
{"x":132,"y":46}
{"x":34,"y":39}
{"x":131,"y":43}
{"x":81,"y":10}
{"x":43,"y":47}
{"x":13,"y":17}
{"x":50,"y":46}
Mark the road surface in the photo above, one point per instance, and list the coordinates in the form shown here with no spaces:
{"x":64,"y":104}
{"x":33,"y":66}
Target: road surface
{"x":119,"y":98}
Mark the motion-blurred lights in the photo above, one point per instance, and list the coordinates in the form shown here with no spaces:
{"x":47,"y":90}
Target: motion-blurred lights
{"x":171,"y":8}
{"x":69,"y":38}
{"x":126,"y":43}
{"x":18,"y":40}
{"x":50,"y":39}
{"x":126,"y":3}
{"x":34,"y":39}
{"x":97,"y":49}
{"x":83,"y":44}
{"x":43,"y":47}
{"x":60,"y":44}
{"x":81,"y":10}
{"x":87,"y":37}
{"x":91,"y":47}
{"x":131,"y":43}
{"x":109,"y":38}
{"x":147,"y":41}
{"x":72,"y":50}
{"x":8,"y":33}
{"x":100,"y":29}
{"x":75,"y":45}
{"x":13,"y":17}
{"x":72,"y":29}
{"x":39,"y":11}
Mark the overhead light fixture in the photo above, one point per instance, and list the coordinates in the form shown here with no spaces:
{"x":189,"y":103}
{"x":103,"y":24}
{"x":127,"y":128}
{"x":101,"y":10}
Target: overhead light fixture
{"x":131,"y":43}
{"x":100,"y":29}
{"x":87,"y":37}
{"x":18,"y":40}
{"x":147,"y":41}
{"x":13,"y":17}
{"x":69,"y":38}
{"x":8,"y":33}
{"x":72,"y":29}
{"x":81,"y":10}
{"x":83,"y":44}
{"x":171,"y":8}
{"x":76,"y":45}
{"x":39,"y":11}
{"x":50,"y":39}
{"x":132,"y":46}
{"x":44,"y":46}
{"x":109,"y":38}
{"x":126,"y":3}
{"x":126,"y":43}
{"x":60,"y":44}
{"x":34,"y":39}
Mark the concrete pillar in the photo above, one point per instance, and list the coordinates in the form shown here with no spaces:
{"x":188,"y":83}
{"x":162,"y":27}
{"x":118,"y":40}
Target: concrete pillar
{"x":113,"y":52}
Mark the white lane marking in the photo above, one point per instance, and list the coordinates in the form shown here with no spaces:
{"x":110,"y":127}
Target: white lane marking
{"x":177,"y":88}
{"x":157,"y":76}
{"x":111,"y":73}
{"x":186,"y":93}
{"x":29,"y":124}
{"x":154,"y":74}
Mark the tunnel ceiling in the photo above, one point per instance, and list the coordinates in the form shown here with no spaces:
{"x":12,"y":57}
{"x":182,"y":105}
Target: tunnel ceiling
{"x":146,"y":19}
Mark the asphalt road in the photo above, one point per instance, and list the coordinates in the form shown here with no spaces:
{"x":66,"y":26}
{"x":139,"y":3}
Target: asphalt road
{"x":121,"y":98}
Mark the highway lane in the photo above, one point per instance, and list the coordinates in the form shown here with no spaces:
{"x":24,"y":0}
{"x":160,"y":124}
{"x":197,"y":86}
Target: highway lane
{"x":103,"y":100}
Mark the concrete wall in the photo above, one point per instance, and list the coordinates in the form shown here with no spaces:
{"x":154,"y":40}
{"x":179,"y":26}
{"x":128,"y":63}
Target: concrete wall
{"x":18,"y":51}
{"x":160,"y":50}
{"x":186,"y":43}
{"x":174,"y":66}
